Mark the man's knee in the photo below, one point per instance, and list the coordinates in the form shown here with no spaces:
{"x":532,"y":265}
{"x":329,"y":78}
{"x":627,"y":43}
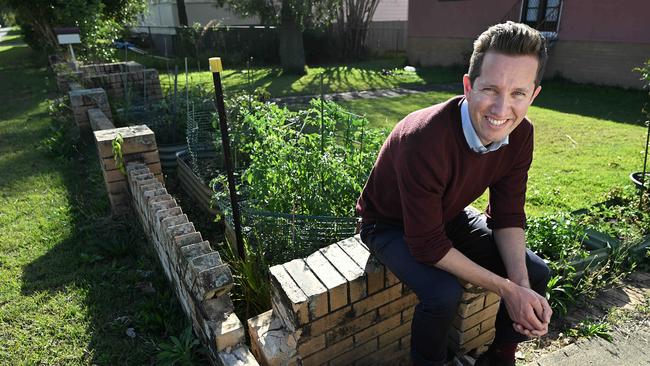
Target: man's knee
{"x":441,"y":303}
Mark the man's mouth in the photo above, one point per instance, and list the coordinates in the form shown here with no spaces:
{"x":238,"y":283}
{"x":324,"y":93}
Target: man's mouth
{"x":496,"y":122}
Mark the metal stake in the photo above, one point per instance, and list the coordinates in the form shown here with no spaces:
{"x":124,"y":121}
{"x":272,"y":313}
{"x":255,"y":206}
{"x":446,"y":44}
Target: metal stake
{"x":216,"y":68}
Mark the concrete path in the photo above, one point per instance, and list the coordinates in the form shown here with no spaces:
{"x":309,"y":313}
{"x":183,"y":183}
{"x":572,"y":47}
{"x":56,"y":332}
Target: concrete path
{"x":631,"y":341}
{"x":3,"y":32}
{"x":370,"y":94}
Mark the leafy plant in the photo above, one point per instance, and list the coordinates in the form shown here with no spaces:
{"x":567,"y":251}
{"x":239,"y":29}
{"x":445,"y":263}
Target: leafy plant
{"x":589,"y":328}
{"x":556,"y":237}
{"x":64,"y":138}
{"x":117,"y":153}
{"x":184,"y":350}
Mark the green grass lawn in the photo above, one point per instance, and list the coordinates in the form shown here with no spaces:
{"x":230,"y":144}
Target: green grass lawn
{"x":587,"y":140}
{"x":376,"y":74}
{"x":71,"y":278}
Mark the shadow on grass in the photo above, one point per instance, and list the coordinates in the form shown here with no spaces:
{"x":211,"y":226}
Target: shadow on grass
{"x":603,"y":102}
{"x":110,"y":259}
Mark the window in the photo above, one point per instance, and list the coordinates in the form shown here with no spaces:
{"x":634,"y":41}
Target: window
{"x":543,"y":15}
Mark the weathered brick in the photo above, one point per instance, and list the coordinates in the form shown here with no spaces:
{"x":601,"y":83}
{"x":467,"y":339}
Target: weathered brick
{"x":377,"y":329}
{"x":349,"y":269}
{"x":394,"y":334}
{"x":227,"y":333}
{"x":329,"y":321}
{"x":177,"y":230}
{"x":460,"y":337}
{"x":398,"y":305}
{"x":211,"y":282}
{"x":465,"y":324}
{"x":217,"y":308}
{"x":358,"y":352}
{"x":469,"y":307}
{"x":491,"y":298}
{"x":270,"y":342}
{"x":329,"y":353}
{"x":336,"y":284}
{"x":310,"y":285}
{"x":381,"y":298}
{"x":289,"y":301}
{"x":391,"y":279}
{"x":237,"y":356}
{"x":312,"y":345}
{"x":474,"y":343}
{"x":350,"y":327}
{"x":407,"y":314}
{"x":137,"y":139}
{"x":381,"y":357}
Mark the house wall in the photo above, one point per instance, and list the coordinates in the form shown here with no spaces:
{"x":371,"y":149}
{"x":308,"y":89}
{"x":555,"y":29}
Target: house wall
{"x":599,"y":41}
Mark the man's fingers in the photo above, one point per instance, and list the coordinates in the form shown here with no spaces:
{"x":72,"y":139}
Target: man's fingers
{"x":546,"y":315}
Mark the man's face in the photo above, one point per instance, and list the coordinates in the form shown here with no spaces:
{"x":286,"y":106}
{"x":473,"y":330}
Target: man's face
{"x":500,"y":97}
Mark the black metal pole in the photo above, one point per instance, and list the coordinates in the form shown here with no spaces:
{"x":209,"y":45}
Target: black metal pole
{"x":216,"y":68}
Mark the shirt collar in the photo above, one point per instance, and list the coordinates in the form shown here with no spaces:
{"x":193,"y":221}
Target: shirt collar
{"x":472,"y":138}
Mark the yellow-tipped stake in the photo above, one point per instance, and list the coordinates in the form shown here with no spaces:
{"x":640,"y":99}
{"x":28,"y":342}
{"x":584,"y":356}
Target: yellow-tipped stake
{"x":216,"y":69}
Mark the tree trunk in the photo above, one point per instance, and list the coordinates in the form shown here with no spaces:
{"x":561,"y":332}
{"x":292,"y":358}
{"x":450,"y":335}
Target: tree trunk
{"x":292,"y":51}
{"x":182,"y":13}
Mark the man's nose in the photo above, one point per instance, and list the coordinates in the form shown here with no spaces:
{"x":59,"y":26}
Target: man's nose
{"x":499,"y":106}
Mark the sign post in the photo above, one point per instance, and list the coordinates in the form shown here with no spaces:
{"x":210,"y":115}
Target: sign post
{"x":69,"y":36}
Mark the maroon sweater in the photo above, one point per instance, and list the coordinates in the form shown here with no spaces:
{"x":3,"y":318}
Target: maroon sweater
{"x":426,"y":174}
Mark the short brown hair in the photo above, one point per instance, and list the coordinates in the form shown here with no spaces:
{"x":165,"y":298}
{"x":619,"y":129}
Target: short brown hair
{"x":509,"y":38}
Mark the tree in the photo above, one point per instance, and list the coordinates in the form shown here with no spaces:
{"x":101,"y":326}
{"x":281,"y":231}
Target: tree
{"x":352,"y":25}
{"x":293,"y":17}
{"x":100,"y":22}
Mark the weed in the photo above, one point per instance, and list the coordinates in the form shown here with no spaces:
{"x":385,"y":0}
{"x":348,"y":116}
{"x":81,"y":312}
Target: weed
{"x":184,"y":350}
{"x":590,"y":328}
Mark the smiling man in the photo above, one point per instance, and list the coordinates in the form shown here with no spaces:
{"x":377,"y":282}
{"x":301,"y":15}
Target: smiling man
{"x":435,"y":163}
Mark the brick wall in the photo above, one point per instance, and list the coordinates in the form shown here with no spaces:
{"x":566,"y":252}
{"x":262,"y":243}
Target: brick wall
{"x":339,"y":306}
{"x":82,"y":100}
{"x":200,"y":279}
{"x":139,"y":145}
{"x":138,"y":84}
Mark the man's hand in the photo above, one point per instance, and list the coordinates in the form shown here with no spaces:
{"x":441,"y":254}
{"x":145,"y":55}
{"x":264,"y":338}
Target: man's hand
{"x":529,"y":311}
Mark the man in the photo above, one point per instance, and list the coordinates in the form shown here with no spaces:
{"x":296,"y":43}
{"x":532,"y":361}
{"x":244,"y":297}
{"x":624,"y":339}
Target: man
{"x":437,"y":161}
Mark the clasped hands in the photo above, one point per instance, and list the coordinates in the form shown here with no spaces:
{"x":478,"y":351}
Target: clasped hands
{"x":529,"y":311}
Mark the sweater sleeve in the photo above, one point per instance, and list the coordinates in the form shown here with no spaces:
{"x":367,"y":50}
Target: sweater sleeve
{"x":508,"y":195}
{"x":420,"y":179}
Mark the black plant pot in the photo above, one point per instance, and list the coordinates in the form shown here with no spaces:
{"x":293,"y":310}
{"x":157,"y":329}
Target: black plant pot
{"x":637,"y":179}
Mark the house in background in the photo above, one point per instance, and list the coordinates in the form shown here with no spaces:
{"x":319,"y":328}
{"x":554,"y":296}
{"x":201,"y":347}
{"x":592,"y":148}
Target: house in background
{"x":591,"y":41}
{"x":387,"y":31}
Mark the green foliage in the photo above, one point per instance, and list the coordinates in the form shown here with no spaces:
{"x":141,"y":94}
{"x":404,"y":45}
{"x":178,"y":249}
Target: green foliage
{"x":64,"y":138}
{"x":556,"y":237}
{"x":624,"y":217}
{"x":296,"y":165}
{"x":590,"y":328}
{"x":100,"y":23}
{"x":184,"y":350}
{"x":252,"y":291}
{"x":117,"y":153}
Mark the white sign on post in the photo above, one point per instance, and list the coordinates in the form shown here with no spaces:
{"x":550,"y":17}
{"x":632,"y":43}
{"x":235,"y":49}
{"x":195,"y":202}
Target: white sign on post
{"x":68,"y":36}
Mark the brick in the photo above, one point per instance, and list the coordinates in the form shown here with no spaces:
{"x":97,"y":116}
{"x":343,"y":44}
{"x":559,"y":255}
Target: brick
{"x":289,"y":301}
{"x":137,"y":139}
{"x":150,"y":158}
{"x":336,"y":284}
{"x":310,"y":285}
{"x":391,"y":279}
{"x":191,"y":251}
{"x":376,"y":276}
{"x":459,"y":337}
{"x":359,"y":351}
{"x":377,"y":329}
{"x":117,"y":187}
{"x":491,"y":298}
{"x":211,"y":282}
{"x":211,"y":259}
{"x":182,"y":241}
{"x":227,"y":333}
{"x":269,"y":341}
{"x":163,"y":214}
{"x":470,"y":307}
{"x":311,"y":346}
{"x":348,"y":328}
{"x":381,"y":298}
{"x":407,"y":314}
{"x":488,"y":324}
{"x":349,"y":269}
{"x":394,"y":335}
{"x":329,"y":353}
{"x":381,"y":357}
{"x":162,"y":205}
{"x":240,"y":355}
{"x":398,"y":305}
{"x":177,"y":230}
{"x":168,"y":222}
{"x":329,"y":321}
{"x":357,"y":251}
{"x":464,"y":324}
{"x":474,"y":343}
{"x":217,"y":308}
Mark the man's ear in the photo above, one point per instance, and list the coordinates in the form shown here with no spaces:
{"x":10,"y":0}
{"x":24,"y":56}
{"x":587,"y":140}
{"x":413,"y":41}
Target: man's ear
{"x":467,"y":85}
{"x":539,"y":89}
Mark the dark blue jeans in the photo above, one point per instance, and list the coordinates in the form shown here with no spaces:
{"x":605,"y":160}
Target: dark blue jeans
{"x":439,"y":291}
